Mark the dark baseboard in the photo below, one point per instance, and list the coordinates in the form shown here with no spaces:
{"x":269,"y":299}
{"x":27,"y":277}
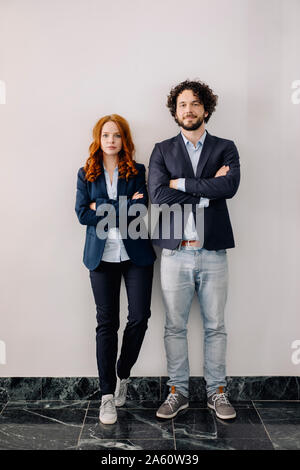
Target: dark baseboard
{"x":239,"y":388}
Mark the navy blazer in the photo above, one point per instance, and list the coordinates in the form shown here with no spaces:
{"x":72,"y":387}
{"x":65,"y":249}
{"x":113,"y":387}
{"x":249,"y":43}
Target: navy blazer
{"x":170,"y":160}
{"x":140,"y":251}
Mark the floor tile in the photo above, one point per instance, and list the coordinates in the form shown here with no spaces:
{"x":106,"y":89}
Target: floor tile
{"x":286,"y":444}
{"x":235,"y":404}
{"x":282,"y":422}
{"x":94,"y":443}
{"x":130,"y":404}
{"x":282,"y":404}
{"x":74,"y":424}
{"x":2,"y":406}
{"x":48,"y":404}
{"x":131,"y":424}
{"x":203,"y":424}
{"x":224,"y":444}
{"x":40,"y":428}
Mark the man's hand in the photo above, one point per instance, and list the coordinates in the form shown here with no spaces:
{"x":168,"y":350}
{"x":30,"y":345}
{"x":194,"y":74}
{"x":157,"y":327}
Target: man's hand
{"x":93,"y":206}
{"x":173,"y":184}
{"x":222,"y":171}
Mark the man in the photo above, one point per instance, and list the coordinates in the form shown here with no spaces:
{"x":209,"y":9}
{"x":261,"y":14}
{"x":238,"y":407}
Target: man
{"x":194,"y":169}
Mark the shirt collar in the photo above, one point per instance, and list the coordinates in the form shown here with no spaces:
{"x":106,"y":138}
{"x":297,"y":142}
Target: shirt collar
{"x":200,"y":141}
{"x":115,"y":170}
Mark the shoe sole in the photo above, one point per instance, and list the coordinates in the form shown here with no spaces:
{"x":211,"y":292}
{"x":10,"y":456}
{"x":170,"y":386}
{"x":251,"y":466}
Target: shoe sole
{"x":108,"y":422}
{"x":182,"y":407}
{"x":120,"y":404}
{"x":219,"y":415}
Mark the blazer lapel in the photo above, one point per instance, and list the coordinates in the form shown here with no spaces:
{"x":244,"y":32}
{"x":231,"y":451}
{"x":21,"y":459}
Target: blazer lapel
{"x":102,"y":183}
{"x":183,"y":153}
{"x":206,"y":151}
{"x":121,"y":187}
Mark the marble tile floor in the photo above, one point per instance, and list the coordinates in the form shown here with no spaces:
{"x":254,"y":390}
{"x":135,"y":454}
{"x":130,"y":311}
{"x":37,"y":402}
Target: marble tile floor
{"x":68,"y":424}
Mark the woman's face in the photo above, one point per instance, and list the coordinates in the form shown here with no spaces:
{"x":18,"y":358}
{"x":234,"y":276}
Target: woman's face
{"x":111,"y":140}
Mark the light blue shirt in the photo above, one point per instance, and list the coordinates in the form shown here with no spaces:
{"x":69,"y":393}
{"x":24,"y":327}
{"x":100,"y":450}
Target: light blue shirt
{"x":190,"y":232}
{"x":114,"y":250}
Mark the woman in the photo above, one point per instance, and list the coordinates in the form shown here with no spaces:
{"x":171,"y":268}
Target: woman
{"x":110,"y":172}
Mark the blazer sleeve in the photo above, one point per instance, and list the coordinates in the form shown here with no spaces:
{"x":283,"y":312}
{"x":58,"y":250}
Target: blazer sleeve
{"x":86,"y":216}
{"x":221,"y":186}
{"x":158,"y":183}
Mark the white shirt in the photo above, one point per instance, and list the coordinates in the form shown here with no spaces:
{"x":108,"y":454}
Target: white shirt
{"x":114,"y":250}
{"x":190,"y":232}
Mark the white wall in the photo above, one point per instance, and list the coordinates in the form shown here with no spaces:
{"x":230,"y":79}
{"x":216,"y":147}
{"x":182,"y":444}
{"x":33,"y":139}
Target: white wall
{"x":66,"y":63}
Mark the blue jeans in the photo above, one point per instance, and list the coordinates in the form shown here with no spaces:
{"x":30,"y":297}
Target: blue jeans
{"x":183,"y":271}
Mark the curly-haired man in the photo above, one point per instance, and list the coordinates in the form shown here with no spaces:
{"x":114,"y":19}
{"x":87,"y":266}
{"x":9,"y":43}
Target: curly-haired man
{"x":198,"y":171}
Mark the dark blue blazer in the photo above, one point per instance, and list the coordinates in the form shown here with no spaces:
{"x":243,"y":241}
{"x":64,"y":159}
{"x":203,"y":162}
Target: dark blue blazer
{"x":140,"y":251}
{"x":170,"y":160}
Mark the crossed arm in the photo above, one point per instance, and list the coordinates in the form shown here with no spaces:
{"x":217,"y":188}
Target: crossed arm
{"x":86,"y":210}
{"x":224,"y":184}
{"x":140,"y":196}
{"x":85,"y":214}
{"x":159,"y":188}
{"x":162,"y":189}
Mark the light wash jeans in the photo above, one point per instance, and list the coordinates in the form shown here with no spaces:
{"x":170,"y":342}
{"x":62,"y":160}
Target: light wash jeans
{"x":183,"y":271}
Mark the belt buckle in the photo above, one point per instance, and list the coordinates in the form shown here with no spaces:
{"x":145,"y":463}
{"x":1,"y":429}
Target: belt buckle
{"x":186,"y":243}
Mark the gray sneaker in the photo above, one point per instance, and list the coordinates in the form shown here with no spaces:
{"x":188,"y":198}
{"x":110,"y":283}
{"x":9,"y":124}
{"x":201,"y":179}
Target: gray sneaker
{"x":120,"y":395}
{"x":175,"y":402}
{"x":220,"y":404}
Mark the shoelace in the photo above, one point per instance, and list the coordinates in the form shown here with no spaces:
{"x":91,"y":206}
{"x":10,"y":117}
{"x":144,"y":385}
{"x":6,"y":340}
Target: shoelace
{"x":171,"y":399}
{"x":108,"y":405}
{"x":221,"y":397}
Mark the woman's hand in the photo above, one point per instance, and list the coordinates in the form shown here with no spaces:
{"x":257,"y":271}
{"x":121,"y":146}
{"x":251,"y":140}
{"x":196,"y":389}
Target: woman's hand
{"x":137,"y":195}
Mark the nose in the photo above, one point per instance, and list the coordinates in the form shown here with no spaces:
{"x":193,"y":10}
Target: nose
{"x":189,"y":109}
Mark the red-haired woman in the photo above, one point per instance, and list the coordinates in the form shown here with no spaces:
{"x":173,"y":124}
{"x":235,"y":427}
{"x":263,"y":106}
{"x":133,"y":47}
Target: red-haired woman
{"x":110,"y":172}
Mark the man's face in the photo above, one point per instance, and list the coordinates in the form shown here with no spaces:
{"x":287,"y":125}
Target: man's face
{"x":190,"y":113}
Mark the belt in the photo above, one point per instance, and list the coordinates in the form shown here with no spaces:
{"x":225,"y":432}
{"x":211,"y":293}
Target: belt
{"x":190,"y":243}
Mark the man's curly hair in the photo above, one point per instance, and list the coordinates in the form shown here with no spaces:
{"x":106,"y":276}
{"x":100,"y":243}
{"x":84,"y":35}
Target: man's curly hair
{"x":200,"y":89}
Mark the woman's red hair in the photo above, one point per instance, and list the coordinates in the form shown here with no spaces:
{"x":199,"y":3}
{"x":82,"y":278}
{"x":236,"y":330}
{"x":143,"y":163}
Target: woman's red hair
{"x":126,"y":164}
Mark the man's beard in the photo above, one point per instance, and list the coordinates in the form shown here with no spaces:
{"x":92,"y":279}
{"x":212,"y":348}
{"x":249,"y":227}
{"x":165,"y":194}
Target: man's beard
{"x":190,"y":127}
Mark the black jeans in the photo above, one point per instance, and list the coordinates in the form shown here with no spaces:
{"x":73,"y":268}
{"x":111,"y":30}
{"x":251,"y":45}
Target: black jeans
{"x":106,"y":283}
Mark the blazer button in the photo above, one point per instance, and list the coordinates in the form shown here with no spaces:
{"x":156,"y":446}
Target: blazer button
{"x":194,"y":194}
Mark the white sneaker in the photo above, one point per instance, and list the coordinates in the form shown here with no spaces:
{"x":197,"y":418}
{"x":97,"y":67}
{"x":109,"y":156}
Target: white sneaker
{"x":108,"y":412}
{"x":120,"y":395}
